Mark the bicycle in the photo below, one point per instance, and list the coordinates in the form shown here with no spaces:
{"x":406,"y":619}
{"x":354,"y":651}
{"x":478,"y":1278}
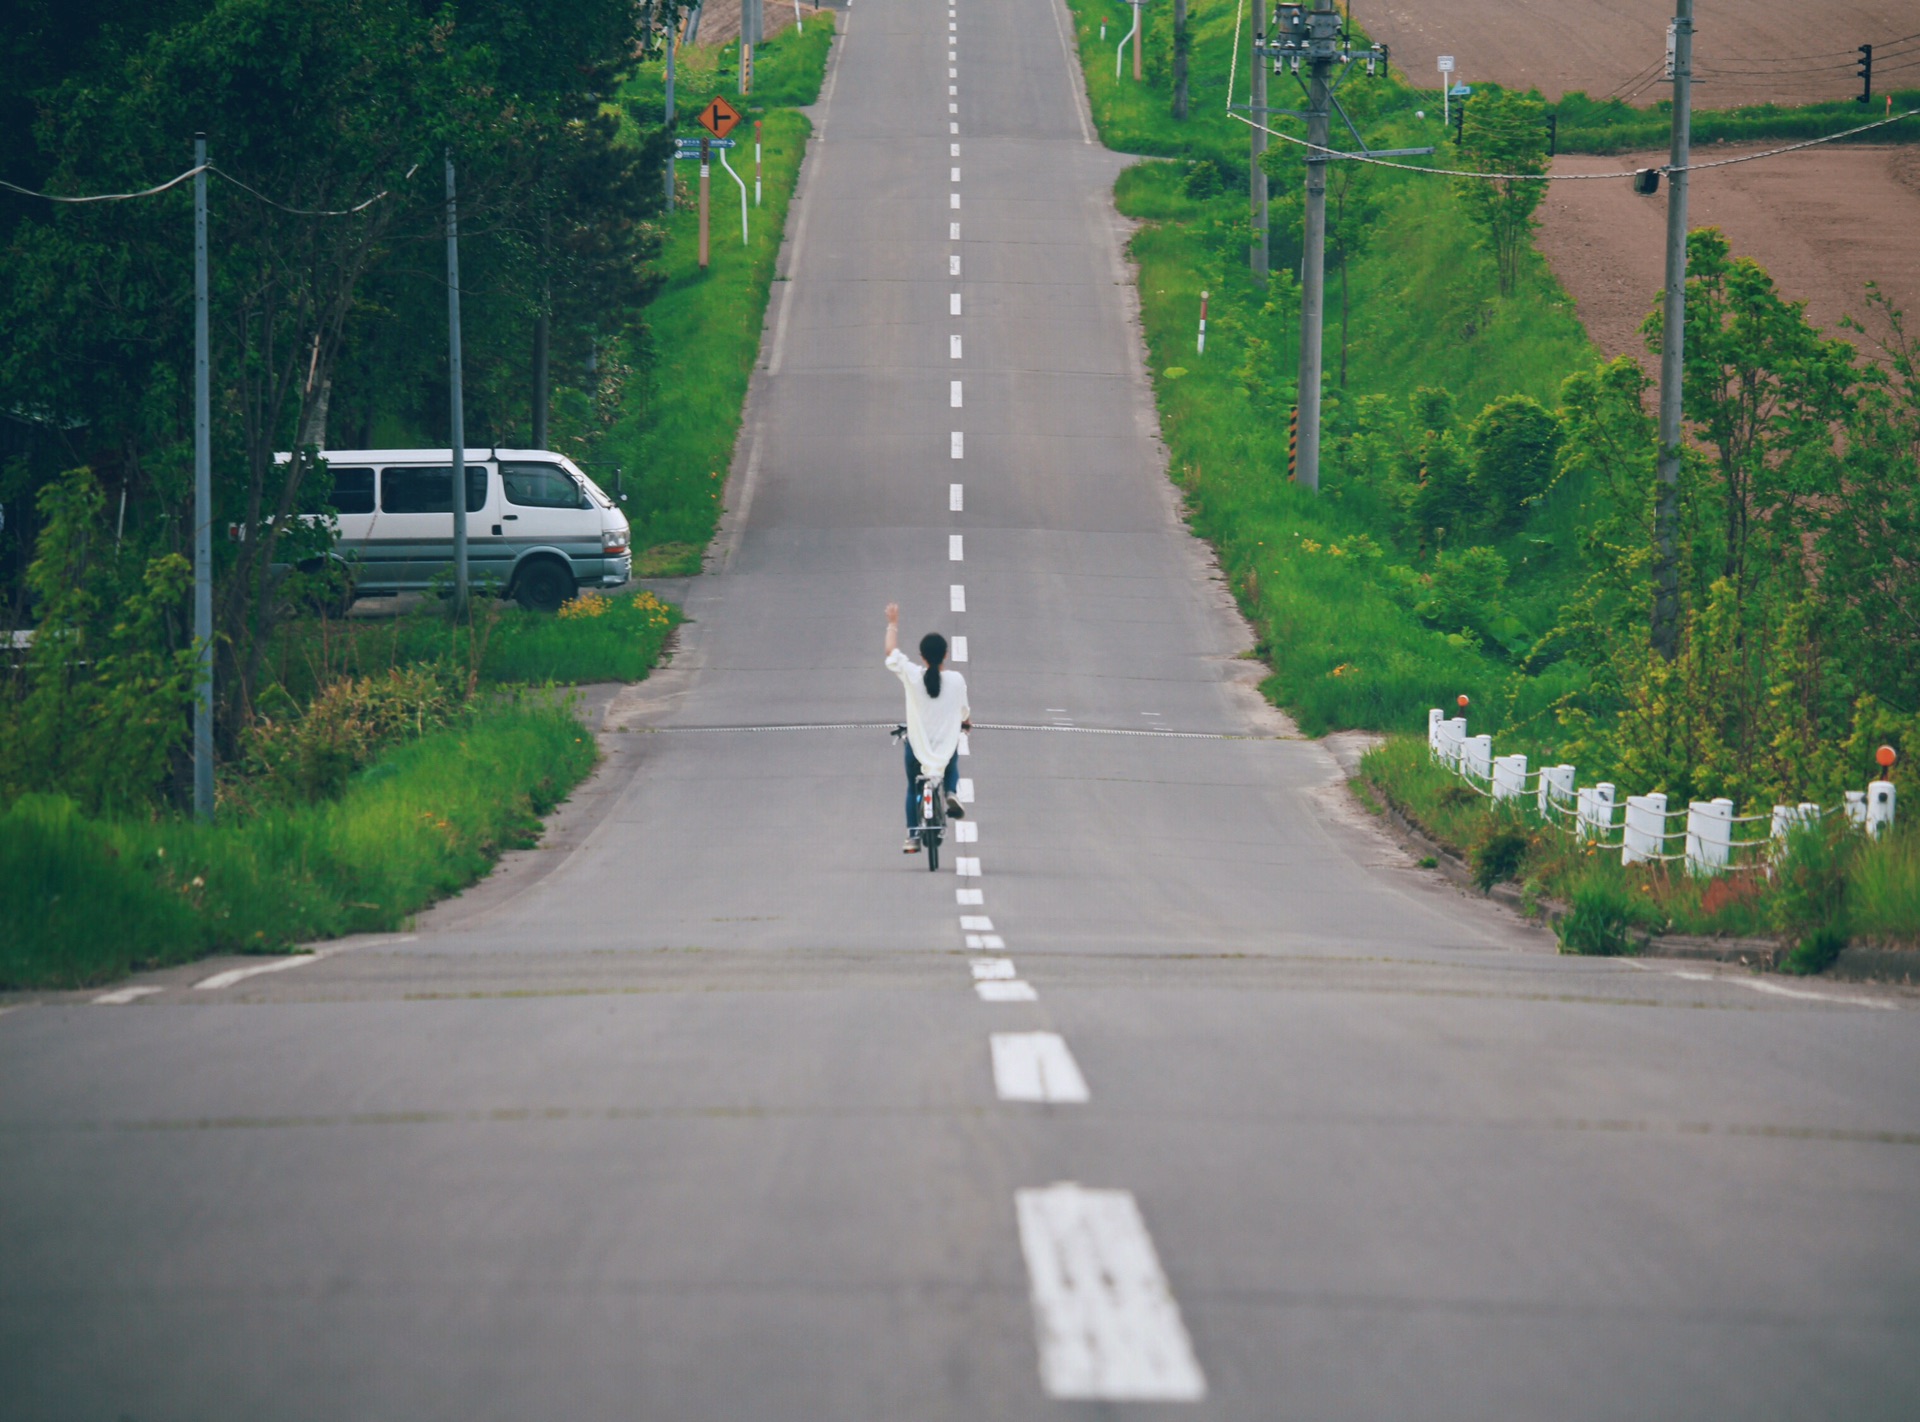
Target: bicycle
{"x":933,"y":809}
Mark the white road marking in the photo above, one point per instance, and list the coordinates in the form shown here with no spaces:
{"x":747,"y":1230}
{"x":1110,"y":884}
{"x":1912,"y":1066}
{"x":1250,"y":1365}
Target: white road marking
{"x":953,"y":342}
{"x":960,"y":655}
{"x":1776,"y":990}
{"x":950,"y":56}
{"x":959,"y":444}
{"x":953,"y":304}
{"x":953,"y":394}
{"x":965,"y":832}
{"x":953,"y":269}
{"x":951,"y":27}
{"x":1106,"y":1322}
{"x":120,"y":997}
{"x":954,"y":175}
{"x":1066,"y":48}
{"x":993,"y":941}
{"x":975,"y":923}
{"x":277,"y":965}
{"x":956,"y":497}
{"x":969,"y":898}
{"x":964,"y":792}
{"x":967,"y":868}
{"x":1035,"y":1066}
{"x":953,"y":150}
{"x":957,"y":598}
{"x":953,"y":231}
{"x":953,"y":128}
{"x":955,"y":552}
{"x":1014,"y":991}
{"x":954,"y":201}
{"x":976,"y":940}
{"x":954,"y":109}
{"x":951,"y":74}
{"x":966,"y":747}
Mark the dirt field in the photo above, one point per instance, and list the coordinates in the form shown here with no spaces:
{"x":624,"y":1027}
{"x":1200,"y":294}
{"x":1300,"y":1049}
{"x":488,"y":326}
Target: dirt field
{"x":1824,"y":222}
{"x":720,"y":19}
{"x":1602,"y":46}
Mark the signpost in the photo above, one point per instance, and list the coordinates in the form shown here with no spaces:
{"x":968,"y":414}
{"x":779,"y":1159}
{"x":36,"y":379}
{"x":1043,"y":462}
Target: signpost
{"x":718,"y":118}
{"x":1446,"y":107}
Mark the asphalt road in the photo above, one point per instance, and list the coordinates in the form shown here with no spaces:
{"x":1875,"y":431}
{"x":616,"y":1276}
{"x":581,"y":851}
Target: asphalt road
{"x":1197,"y":1099}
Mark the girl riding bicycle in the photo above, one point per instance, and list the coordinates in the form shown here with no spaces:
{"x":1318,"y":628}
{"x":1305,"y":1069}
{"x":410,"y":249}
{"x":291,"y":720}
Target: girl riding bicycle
{"x":937,"y":712}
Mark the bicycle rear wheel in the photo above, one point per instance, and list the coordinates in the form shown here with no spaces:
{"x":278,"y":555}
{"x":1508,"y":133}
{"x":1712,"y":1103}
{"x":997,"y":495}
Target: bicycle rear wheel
{"x":932,"y":840}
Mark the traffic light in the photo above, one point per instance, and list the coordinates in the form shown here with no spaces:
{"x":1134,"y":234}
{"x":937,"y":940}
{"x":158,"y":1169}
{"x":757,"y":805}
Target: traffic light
{"x":1866,"y":73}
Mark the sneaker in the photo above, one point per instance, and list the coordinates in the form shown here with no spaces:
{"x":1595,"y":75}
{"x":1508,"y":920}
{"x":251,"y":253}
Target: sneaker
{"x":955,"y":810}
{"x":912,"y":846}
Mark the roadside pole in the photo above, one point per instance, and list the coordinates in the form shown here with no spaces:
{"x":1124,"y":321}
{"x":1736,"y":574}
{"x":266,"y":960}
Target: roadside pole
{"x":1200,"y":348}
{"x":756,"y":157}
{"x":1120,"y":54}
{"x":1259,"y":255}
{"x":459,"y":422}
{"x":673,"y":37}
{"x":706,"y":194}
{"x":1666,"y":582}
{"x":743,"y":192}
{"x":1323,"y":35}
{"x":202,"y":500}
{"x":1139,"y":23}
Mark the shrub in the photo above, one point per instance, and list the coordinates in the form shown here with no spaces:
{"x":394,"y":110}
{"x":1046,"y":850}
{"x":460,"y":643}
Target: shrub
{"x":1202,"y":179}
{"x":310,"y":756}
{"x":1499,"y":851}
{"x":1515,"y":443}
{"x":1600,"y":918}
{"x":1810,"y":906}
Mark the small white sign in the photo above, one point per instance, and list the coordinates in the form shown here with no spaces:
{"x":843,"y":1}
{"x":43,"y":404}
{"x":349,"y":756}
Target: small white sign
{"x":1446,"y":64}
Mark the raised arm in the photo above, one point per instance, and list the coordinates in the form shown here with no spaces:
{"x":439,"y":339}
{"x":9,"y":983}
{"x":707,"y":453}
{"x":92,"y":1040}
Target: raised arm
{"x":893,"y":628}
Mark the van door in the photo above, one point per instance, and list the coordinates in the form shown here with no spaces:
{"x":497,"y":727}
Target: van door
{"x":352,"y":503}
{"x":543,"y":506}
{"x":415,"y":531}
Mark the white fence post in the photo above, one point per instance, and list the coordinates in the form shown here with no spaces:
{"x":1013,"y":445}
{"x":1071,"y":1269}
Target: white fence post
{"x":1476,"y":757}
{"x":1509,"y":777}
{"x":1857,"y":807}
{"x":1645,"y":836}
{"x":1453,"y":731}
{"x":1788,"y":818}
{"x":1709,"y":836}
{"x":1880,"y":806}
{"x":1435,"y":719}
{"x":1556,"y":789}
{"x":1594,"y":815}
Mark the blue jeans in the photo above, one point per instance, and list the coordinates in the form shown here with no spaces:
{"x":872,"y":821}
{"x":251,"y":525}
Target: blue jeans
{"x":951,"y":780}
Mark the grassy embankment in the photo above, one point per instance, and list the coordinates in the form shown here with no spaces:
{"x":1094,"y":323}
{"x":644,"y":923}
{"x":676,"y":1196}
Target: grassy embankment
{"x":1346,"y":648}
{"x":1611,"y":126}
{"x":705,"y":327}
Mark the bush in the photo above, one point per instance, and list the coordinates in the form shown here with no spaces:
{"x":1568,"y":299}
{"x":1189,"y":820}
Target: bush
{"x":1600,"y":917}
{"x":310,"y":755}
{"x":1515,"y":443}
{"x":1498,"y":853}
{"x":1810,"y":906}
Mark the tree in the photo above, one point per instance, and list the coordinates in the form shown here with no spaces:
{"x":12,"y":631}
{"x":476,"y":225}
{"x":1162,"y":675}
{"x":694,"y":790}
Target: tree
{"x":1515,"y":443}
{"x":1506,"y":134}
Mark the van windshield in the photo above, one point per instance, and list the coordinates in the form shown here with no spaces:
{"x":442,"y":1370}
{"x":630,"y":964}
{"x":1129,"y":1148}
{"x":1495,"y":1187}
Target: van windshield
{"x":541,"y":486}
{"x":429,"y":489}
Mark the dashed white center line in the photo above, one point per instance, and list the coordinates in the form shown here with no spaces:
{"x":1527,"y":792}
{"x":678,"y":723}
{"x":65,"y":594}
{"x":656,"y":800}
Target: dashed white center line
{"x":954,"y":200}
{"x":987,"y":940}
{"x":960,"y":655}
{"x":953,"y":304}
{"x":953,"y":128}
{"x":955,"y":176}
{"x":120,"y":997}
{"x":953,"y":265}
{"x":952,"y":89}
{"x":953,"y":231}
{"x":969,"y":898}
{"x":976,"y":923}
{"x":952,"y":74}
{"x":1017,"y":990}
{"x":957,"y":598}
{"x":964,"y":832}
{"x":963,"y":791}
{"x":954,"y":109}
{"x":955,"y":548}
{"x":953,"y":343}
{"x":967,"y":868}
{"x":953,"y":394}
{"x":959,"y":444}
{"x":1035,"y":1066}
{"x":956,"y":497}
{"x":1105,"y":1321}
{"x":984,"y":968}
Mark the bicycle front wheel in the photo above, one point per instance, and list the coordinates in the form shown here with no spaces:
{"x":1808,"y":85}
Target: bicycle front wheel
{"x":931,"y":838}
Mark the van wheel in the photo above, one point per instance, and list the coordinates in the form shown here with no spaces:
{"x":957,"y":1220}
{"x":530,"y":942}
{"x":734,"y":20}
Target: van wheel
{"x":543,"y":586}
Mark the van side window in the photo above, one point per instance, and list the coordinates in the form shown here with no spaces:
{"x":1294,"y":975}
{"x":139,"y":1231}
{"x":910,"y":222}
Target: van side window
{"x":352,"y":491}
{"x":429,"y":488}
{"x":542,"y":486}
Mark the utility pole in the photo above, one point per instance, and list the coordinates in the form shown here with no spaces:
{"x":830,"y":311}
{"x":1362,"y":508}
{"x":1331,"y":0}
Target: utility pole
{"x":706,"y":195}
{"x":673,"y":36}
{"x":459,"y":492}
{"x":749,"y":37}
{"x":1180,"y":48}
{"x":202,"y":499}
{"x":1313,"y":36}
{"x":1139,"y":24}
{"x":1260,"y":253}
{"x":1673,"y":332}
{"x":1323,"y":33}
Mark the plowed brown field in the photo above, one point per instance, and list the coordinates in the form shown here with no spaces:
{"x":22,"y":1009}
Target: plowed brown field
{"x":1824,"y":222}
{"x":1803,"y":52}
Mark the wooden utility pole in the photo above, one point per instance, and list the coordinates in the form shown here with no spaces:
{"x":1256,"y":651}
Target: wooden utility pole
{"x":1665,"y":632}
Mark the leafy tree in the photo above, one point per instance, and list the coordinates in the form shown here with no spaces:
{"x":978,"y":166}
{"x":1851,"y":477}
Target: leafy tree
{"x":1504,"y":133}
{"x":1515,"y":443}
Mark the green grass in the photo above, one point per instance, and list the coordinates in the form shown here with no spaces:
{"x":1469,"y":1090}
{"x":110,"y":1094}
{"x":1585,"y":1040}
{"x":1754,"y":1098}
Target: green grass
{"x":621,"y":644}
{"x":88,"y":900}
{"x":1593,"y":126}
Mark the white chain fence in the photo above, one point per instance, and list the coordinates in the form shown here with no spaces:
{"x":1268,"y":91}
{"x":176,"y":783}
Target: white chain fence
{"x":1705,"y":835}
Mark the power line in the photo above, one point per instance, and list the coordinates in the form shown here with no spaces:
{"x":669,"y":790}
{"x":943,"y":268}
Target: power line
{"x":108,"y":197}
{"x":195,"y":171}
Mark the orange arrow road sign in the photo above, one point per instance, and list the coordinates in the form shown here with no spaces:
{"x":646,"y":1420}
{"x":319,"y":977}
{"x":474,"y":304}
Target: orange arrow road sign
{"x":719,"y":117}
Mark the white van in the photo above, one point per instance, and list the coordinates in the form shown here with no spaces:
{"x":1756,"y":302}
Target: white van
{"x":535,"y":522}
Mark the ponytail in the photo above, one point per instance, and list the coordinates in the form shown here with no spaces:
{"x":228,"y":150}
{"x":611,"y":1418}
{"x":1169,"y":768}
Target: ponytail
{"x":933,"y":650}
